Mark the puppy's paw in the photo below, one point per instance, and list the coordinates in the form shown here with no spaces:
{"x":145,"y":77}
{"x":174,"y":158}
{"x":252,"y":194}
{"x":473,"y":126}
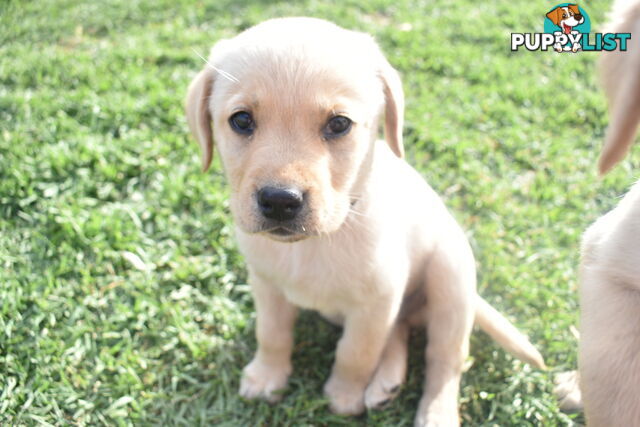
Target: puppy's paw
{"x":345,"y":398}
{"x":437,"y":413}
{"x":380,"y":391}
{"x":439,"y":420}
{"x":567,"y":390}
{"x":260,"y":380}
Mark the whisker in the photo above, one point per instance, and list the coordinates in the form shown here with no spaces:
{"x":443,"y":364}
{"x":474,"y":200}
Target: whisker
{"x":355,"y":212}
{"x":223,"y":73}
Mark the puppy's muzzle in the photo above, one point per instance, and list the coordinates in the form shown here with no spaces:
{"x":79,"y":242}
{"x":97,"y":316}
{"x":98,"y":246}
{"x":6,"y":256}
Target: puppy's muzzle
{"x":280,"y":204}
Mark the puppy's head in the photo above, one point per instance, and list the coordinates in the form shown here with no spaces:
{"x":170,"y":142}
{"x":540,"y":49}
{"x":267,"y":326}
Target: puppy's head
{"x":293,"y":105}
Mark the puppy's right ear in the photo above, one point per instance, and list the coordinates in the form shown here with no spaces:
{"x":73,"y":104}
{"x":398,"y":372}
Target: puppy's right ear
{"x":394,"y":106}
{"x":574,"y":8}
{"x":623,"y":92}
{"x":199,"y":114}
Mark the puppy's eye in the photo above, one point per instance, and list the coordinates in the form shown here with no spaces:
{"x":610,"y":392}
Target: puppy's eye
{"x":337,"y":126}
{"x":564,"y":15}
{"x":242,"y":123}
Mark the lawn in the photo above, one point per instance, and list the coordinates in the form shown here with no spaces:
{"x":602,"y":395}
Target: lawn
{"x":123,"y":298}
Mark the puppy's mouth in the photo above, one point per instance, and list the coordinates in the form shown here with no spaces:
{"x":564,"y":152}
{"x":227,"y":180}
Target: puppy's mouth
{"x":294,"y":231}
{"x":303,"y":226}
{"x":282,"y":233}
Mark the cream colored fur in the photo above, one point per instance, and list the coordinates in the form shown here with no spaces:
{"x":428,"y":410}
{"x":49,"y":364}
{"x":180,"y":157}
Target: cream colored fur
{"x":609,"y":353}
{"x":375,"y":249}
{"x":620,"y":77}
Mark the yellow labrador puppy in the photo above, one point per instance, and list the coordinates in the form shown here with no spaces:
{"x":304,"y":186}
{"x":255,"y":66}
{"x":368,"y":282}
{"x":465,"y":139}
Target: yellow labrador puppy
{"x":330,"y":219}
{"x":609,"y":354}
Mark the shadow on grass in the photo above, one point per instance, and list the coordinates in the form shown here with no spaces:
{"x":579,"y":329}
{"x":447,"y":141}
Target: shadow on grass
{"x":303,"y":401}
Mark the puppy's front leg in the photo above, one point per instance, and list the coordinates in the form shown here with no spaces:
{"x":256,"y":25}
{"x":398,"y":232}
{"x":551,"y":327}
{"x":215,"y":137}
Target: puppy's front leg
{"x":365,"y":334}
{"x":270,"y":368}
{"x":450,"y":290}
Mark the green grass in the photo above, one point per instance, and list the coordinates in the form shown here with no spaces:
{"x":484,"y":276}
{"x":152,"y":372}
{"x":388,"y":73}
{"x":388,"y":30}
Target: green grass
{"x":96,"y":164}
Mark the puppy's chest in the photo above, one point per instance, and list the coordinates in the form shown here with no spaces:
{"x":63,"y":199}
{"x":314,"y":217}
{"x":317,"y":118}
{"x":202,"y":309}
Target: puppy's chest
{"x":320,"y":277}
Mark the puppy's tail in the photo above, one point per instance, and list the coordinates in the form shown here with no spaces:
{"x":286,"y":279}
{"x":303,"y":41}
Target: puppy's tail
{"x":505,"y":334}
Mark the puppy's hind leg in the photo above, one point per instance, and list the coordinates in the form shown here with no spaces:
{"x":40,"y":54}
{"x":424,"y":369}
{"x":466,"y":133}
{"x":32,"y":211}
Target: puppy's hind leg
{"x":391,"y":370}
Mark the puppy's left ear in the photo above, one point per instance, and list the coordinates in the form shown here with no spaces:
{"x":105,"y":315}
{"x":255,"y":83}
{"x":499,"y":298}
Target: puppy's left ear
{"x":394,"y":106}
{"x":199,"y":115}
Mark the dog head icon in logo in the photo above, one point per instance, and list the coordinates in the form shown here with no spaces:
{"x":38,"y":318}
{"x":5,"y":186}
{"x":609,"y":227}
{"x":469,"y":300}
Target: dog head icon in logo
{"x":566,"y":17}
{"x":567,"y":28}
{"x":569,"y":19}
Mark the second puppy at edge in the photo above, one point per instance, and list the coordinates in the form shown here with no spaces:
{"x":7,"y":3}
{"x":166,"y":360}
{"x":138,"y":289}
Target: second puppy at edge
{"x":609,"y":354}
{"x":331,"y":219}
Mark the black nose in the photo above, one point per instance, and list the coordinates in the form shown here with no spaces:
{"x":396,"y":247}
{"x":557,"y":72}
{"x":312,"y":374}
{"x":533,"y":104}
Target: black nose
{"x":281,"y":204}
{"x":578,"y":17}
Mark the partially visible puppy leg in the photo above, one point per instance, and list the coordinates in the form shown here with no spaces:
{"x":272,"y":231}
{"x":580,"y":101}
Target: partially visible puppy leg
{"x":450,"y":291}
{"x":391,"y":370}
{"x":271,"y":366}
{"x":358,"y":353}
{"x":609,"y":359}
{"x":567,"y":390}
